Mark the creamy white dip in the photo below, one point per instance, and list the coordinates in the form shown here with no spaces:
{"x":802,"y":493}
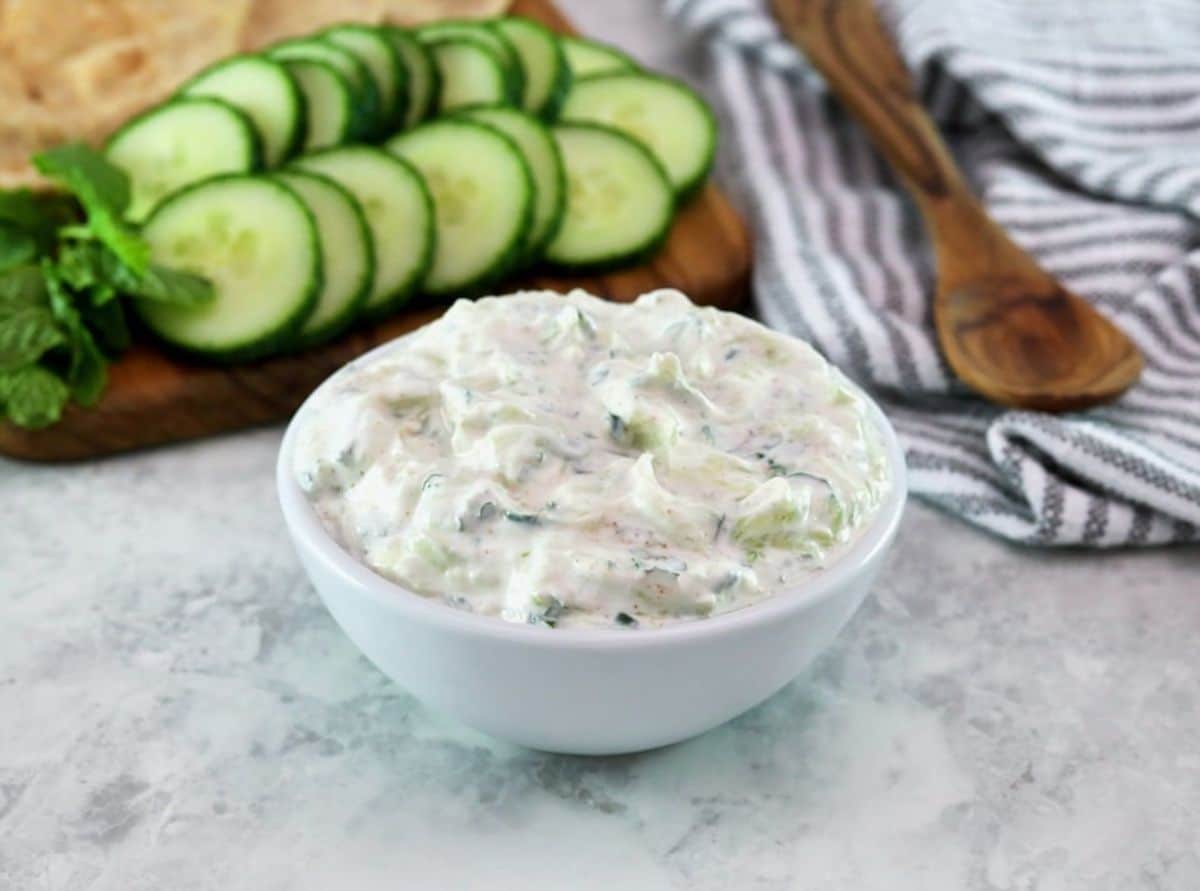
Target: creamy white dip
{"x":567,"y":461}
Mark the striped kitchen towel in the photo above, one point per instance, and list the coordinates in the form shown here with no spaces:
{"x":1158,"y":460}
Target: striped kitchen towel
{"x":1078,"y":122}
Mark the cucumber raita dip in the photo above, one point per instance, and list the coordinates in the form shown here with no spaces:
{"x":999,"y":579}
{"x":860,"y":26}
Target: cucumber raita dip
{"x":570,"y":462}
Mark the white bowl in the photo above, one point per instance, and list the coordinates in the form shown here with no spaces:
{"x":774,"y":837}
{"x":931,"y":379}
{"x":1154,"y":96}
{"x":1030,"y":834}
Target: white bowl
{"x":587,"y":692}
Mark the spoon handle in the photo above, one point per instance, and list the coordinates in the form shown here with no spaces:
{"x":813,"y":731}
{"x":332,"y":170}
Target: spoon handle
{"x":847,"y":42}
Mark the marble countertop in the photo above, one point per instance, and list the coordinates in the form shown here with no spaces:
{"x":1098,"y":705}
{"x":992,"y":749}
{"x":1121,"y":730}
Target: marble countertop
{"x":177,"y":711}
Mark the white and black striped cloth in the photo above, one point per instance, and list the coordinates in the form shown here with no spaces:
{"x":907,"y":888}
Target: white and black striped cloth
{"x":1078,"y":121}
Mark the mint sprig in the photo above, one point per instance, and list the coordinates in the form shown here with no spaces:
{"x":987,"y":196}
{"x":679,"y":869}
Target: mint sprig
{"x":68,"y":262}
{"x":103,"y":191}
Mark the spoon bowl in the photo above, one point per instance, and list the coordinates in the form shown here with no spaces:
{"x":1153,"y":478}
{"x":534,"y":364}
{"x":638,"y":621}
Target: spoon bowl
{"x":1010,"y":330}
{"x":1029,"y":347}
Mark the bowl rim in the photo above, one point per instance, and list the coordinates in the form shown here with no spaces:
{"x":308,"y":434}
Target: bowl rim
{"x":310,"y":535}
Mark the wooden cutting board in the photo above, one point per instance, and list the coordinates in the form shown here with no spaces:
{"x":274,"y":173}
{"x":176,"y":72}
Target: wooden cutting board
{"x":155,"y":398}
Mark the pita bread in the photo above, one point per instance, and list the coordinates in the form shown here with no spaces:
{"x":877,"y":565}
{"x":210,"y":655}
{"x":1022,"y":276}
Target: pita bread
{"x":272,"y":20}
{"x":418,"y":12}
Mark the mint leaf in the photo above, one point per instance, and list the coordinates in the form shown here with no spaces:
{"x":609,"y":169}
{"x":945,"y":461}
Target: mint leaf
{"x":20,"y":287}
{"x":17,"y":247}
{"x":81,"y":264}
{"x":95,"y":181}
{"x":121,"y":239}
{"x":37,"y":215}
{"x":101,"y":294}
{"x":103,"y":190}
{"x":171,"y":286}
{"x":88,"y":375}
{"x":21,"y":208}
{"x":34,"y":211}
{"x":32,"y":396}
{"x":107,"y":323}
{"x":61,"y":303}
{"x":26,"y":335}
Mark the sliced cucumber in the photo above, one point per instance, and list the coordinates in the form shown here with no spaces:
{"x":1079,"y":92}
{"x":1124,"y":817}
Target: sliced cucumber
{"x":664,"y":115}
{"x":366,"y":107}
{"x":619,"y":200}
{"x":265,"y":92}
{"x":328,"y":102}
{"x":347,"y":259}
{"x":541,"y":153}
{"x":482,"y":195}
{"x":469,"y":72}
{"x":547,"y":76}
{"x":257,"y":243}
{"x":399,"y":213}
{"x":376,"y":52}
{"x":424,"y":82}
{"x":588,"y":57}
{"x":480,"y":32}
{"x":179,"y":143}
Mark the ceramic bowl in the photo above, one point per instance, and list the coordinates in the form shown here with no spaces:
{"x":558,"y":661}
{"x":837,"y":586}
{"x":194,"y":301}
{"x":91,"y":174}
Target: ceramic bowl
{"x":587,"y":691}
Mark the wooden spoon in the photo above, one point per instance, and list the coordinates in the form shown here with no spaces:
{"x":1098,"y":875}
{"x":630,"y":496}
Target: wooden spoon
{"x":1006,"y":326}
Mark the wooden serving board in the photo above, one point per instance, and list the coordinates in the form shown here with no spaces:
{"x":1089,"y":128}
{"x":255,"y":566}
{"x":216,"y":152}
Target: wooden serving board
{"x":155,"y":398}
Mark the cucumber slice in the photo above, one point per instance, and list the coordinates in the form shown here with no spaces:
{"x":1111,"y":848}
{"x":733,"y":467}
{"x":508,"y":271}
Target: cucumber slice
{"x":328,"y":102}
{"x":547,"y":76}
{"x":399,"y":213}
{"x":588,"y":57}
{"x":179,"y":143}
{"x":482,"y":196}
{"x":424,"y":82}
{"x":505,"y":52}
{"x":376,"y":52}
{"x":541,"y":153}
{"x":469,"y":72}
{"x":265,"y":93}
{"x":619,"y":200}
{"x":366,"y":107}
{"x":662,"y":114}
{"x":347,"y":259}
{"x":257,"y":243}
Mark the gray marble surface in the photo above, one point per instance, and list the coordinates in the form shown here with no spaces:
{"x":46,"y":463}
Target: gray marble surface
{"x":177,"y":711}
